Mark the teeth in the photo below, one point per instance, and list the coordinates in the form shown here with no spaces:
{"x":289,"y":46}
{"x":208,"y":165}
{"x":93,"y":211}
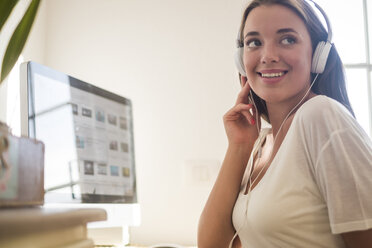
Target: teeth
{"x":271,"y":75}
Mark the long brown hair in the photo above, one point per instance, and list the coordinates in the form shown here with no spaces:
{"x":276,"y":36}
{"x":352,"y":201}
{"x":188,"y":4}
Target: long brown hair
{"x":332,"y":81}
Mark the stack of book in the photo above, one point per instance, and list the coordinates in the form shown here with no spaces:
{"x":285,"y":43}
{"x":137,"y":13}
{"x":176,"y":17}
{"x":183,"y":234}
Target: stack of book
{"x":46,"y":227}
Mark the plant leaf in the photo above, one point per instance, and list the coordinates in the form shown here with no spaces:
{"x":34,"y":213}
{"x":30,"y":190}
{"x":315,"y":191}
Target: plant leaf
{"x":6,"y":7}
{"x":18,"y":39}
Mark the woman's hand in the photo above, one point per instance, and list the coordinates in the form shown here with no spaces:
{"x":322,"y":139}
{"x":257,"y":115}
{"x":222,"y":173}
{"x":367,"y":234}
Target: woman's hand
{"x":215,"y":225}
{"x":240,"y":122}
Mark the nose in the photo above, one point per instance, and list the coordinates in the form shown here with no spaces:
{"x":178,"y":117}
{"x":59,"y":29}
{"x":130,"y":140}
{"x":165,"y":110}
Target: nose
{"x":269,"y":54}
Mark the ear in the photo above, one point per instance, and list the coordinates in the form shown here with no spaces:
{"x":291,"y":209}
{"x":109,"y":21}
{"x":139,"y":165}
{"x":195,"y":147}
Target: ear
{"x":243,"y":80}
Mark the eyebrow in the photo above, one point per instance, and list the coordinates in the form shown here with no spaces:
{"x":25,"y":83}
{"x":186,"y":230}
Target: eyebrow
{"x":280,"y":31}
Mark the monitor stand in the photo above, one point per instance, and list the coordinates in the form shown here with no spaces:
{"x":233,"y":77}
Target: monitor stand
{"x":109,"y":236}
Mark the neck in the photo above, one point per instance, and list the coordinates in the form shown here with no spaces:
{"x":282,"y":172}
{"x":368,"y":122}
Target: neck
{"x":279,"y":111}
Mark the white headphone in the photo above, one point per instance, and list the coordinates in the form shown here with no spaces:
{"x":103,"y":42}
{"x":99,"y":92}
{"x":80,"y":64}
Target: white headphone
{"x":320,"y":55}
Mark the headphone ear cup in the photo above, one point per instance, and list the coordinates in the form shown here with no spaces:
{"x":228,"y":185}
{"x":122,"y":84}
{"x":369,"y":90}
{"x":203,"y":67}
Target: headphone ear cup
{"x":320,"y":57}
{"x":238,"y":57}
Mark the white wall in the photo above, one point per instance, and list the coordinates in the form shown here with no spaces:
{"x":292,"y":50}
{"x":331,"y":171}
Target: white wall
{"x":35,"y":46}
{"x":174,"y":60}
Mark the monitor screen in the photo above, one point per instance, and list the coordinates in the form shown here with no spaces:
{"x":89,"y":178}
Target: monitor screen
{"x":88,"y":137}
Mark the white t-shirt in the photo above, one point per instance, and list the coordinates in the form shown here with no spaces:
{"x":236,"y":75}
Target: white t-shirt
{"x":318,"y":185}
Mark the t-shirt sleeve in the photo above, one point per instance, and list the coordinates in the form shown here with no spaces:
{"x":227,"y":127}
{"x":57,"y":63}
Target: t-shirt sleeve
{"x":343,"y":173}
{"x":342,"y":160}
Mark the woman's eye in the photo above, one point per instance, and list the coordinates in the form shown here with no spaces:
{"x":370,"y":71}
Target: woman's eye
{"x":253,"y":43}
{"x":288,"y":41}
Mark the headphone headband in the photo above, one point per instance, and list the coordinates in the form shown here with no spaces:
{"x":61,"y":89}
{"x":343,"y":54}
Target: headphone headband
{"x":328,"y":23}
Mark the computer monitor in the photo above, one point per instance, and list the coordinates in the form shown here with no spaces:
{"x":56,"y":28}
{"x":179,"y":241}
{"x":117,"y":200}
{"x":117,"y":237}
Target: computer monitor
{"x":89,"y":144}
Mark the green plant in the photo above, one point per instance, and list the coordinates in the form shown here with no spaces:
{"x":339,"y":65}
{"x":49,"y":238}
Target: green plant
{"x":20,"y":34}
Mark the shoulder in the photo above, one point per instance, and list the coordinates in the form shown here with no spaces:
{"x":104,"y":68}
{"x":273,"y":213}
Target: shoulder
{"x":325,"y":113}
{"x":321,"y":119}
{"x":323,"y":106}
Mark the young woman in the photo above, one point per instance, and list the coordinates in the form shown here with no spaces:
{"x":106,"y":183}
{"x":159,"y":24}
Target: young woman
{"x":305,"y":181}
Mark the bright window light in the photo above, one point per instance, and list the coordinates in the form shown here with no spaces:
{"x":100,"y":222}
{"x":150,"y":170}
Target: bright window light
{"x":351,"y":39}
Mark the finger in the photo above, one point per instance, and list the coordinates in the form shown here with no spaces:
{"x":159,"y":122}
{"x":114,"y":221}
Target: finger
{"x":256,"y":116}
{"x":253,"y":109}
{"x":241,"y":110}
{"x":249,"y":117}
{"x":237,"y":109}
{"x":243,"y":94}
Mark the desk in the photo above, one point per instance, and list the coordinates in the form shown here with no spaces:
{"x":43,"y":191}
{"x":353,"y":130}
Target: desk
{"x":47,"y":227}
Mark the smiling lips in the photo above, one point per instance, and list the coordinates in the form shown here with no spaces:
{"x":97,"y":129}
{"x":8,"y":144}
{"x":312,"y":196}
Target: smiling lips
{"x":272,"y":76}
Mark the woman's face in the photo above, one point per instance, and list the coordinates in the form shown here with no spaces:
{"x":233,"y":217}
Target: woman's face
{"x":277,"y":53}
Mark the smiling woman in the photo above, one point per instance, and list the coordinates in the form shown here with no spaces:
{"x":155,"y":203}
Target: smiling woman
{"x":301,"y":182}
